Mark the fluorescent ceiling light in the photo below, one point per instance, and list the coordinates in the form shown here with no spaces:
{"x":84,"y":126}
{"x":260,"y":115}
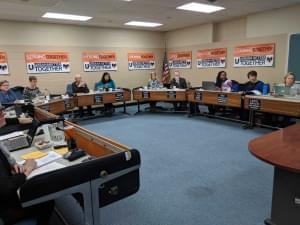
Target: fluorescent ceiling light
{"x":199,"y":7}
{"x":142,"y":24}
{"x":61,"y":16}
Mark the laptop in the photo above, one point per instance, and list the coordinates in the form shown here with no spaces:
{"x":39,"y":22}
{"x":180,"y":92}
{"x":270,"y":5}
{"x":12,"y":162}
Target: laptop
{"x":19,"y":140}
{"x":208,"y":85}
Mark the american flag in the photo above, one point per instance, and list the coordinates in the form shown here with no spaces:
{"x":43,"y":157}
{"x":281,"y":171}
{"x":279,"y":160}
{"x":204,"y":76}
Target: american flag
{"x":166,"y":70}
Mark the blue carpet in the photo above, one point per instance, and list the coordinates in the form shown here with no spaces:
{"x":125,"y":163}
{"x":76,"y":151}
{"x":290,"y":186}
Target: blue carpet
{"x":195,"y":171}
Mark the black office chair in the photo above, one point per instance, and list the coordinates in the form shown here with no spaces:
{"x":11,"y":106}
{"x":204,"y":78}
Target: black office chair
{"x":18,"y":90}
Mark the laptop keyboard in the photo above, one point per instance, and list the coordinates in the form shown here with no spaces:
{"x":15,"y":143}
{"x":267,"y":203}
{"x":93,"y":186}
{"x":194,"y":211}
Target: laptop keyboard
{"x":16,"y":143}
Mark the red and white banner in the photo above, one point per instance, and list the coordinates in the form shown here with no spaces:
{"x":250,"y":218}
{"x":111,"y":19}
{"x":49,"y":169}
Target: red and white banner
{"x":96,"y":61}
{"x":141,"y":61}
{"x":47,"y":62}
{"x":180,"y":60}
{"x":254,"y":55}
{"x":212,"y":58}
{"x":3,"y":64}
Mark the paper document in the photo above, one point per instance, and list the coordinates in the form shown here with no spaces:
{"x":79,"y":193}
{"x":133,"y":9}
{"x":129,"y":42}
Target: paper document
{"x":52,"y":156}
{"x":34,"y":155}
{"x":46,"y":168}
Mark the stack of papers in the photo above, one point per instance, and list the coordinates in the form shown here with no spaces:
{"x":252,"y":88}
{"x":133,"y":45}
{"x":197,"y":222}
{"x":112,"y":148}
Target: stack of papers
{"x":46,"y":168}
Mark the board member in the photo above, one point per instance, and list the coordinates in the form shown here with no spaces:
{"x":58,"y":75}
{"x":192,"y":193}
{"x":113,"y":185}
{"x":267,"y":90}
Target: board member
{"x":79,"y":86}
{"x":32,"y":91}
{"x":7,"y":96}
{"x":178,"y":82}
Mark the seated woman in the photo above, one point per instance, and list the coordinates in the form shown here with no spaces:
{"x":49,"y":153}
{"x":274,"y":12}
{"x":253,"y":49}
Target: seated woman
{"x":32,"y":91}
{"x":7,"y":96}
{"x":153,"y":83}
{"x":12,"y":177}
{"x":289,"y":79}
{"x":224,"y":84}
{"x":8,"y":125}
{"x":106,"y":83}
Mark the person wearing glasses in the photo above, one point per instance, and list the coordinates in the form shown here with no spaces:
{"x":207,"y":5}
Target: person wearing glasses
{"x":7,"y":96}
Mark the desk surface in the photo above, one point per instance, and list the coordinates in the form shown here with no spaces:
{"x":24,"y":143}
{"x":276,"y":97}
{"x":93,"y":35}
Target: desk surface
{"x":280,"y":148}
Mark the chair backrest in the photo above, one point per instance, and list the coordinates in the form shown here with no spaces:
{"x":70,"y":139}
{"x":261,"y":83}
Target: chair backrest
{"x":18,"y":90}
{"x":69,"y":89}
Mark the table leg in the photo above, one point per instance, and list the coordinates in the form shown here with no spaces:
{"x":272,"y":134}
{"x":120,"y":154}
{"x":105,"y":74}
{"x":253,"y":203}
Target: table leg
{"x":286,"y":198}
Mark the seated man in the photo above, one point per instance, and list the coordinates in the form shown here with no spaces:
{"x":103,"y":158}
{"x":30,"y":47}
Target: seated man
{"x":32,"y":91}
{"x":12,"y":177}
{"x":78,"y":86}
{"x":6,"y":95}
{"x":178,"y":82}
{"x":253,"y":83}
{"x":8,"y":125}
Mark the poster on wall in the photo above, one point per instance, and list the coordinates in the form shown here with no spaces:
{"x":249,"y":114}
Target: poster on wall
{"x":141,"y":61}
{"x":96,"y":61}
{"x":3,"y":64}
{"x":47,"y":62}
{"x":260,"y":55}
{"x":211,"y":58}
{"x":180,"y":60}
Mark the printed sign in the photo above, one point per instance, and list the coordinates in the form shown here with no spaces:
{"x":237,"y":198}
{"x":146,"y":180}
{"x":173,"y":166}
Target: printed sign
{"x":3,"y":64}
{"x":254,"y":104}
{"x":119,"y":96}
{"x":171,"y":94}
{"x":99,"y":61}
{"x":141,"y":61}
{"x":180,"y":60}
{"x":222,"y":98}
{"x":47,"y":62}
{"x":98,"y":99}
{"x":211,"y":58}
{"x":146,"y":94}
{"x":254,"y":55}
{"x":198,"y":96}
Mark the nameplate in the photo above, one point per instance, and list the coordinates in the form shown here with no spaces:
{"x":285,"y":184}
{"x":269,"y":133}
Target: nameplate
{"x":198,"y":96}
{"x":222,"y":98}
{"x":119,"y":96}
{"x":46,"y":107}
{"x":254,"y":104}
{"x":98,"y":99}
{"x":68,"y":104}
{"x":146,"y":94}
{"x":171,"y":94}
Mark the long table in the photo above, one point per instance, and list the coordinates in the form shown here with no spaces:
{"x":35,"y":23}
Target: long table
{"x":93,"y":98}
{"x":286,"y":106}
{"x":229,"y":99}
{"x":98,"y":180}
{"x":158,"y":95}
{"x":281,"y":149}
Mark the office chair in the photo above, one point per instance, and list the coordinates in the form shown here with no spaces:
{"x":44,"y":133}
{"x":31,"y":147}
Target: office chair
{"x":69,"y":89}
{"x":18,"y":90}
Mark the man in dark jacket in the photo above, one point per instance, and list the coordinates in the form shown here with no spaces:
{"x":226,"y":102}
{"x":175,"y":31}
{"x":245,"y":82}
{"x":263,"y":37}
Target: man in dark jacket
{"x":12,"y":177}
{"x":78,"y":86}
{"x":178,"y":82}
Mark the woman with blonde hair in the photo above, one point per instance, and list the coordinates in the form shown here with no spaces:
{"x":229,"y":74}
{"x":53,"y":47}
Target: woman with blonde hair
{"x":289,"y":79}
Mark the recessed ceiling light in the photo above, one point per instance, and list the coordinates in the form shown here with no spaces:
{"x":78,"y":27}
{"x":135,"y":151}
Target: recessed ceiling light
{"x":143,"y":24}
{"x":199,"y":7}
{"x":127,"y":0}
{"x":61,"y":16}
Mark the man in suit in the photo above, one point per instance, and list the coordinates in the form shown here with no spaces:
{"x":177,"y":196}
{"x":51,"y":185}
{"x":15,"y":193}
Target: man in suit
{"x":178,"y":82}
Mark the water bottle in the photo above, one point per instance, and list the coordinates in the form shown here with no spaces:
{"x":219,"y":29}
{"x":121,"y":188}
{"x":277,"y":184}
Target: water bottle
{"x":265,"y":89}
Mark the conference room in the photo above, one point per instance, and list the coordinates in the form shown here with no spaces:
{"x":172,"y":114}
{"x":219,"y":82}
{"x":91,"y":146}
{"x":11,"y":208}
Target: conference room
{"x":136,"y":112}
